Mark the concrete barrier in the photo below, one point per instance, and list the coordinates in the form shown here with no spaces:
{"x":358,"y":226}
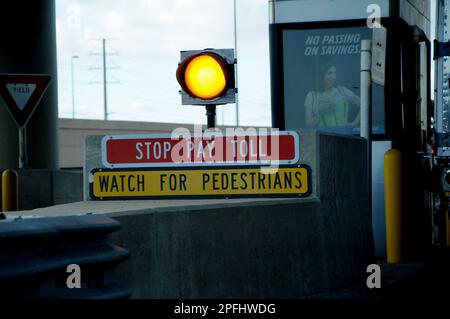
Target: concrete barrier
{"x":248,"y":248}
{"x":258,"y":248}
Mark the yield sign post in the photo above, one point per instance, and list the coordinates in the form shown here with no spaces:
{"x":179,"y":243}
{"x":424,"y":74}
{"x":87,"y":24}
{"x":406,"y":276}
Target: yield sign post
{"x":22,"y":94}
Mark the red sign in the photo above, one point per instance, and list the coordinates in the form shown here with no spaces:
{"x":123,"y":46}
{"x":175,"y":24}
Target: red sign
{"x":22,"y":94}
{"x":162,"y":150}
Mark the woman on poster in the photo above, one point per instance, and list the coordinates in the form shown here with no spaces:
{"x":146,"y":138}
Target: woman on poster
{"x":330,"y":105}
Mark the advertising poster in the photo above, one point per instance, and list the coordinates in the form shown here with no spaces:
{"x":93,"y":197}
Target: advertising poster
{"x":322,"y":80}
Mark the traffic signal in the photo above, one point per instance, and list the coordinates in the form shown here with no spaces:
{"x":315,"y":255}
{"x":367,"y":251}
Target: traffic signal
{"x":207,"y":77}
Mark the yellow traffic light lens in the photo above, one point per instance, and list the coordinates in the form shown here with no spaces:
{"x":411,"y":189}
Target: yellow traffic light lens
{"x":204,"y":77}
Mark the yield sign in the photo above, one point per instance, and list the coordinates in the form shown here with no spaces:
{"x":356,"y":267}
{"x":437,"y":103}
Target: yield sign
{"x":22,"y":94}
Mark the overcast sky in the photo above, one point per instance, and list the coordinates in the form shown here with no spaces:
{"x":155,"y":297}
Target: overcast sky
{"x":146,"y":38}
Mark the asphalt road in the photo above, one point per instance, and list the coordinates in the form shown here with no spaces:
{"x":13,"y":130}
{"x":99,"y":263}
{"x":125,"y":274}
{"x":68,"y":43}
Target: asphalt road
{"x":402,"y":282}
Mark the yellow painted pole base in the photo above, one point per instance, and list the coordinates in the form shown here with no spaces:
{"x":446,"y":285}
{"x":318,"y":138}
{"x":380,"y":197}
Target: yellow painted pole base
{"x":10,"y":191}
{"x":448,"y":230}
{"x":393,"y":197}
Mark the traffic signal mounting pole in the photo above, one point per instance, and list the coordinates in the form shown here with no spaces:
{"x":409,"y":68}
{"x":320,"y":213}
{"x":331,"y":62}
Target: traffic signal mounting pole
{"x":211,"y":116}
{"x":235,"y":67}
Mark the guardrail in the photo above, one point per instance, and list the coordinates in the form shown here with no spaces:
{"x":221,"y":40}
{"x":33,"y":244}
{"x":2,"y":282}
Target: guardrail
{"x":35,"y":254}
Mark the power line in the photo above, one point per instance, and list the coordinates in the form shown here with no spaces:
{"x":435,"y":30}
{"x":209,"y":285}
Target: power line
{"x":161,"y":91}
{"x":143,"y":98}
{"x":82,"y":93}
{"x":151,"y":66}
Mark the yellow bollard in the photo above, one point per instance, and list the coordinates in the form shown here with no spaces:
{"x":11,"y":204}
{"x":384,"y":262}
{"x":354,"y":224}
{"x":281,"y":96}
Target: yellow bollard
{"x":10,"y":191}
{"x":393,"y":197}
{"x":448,"y":229}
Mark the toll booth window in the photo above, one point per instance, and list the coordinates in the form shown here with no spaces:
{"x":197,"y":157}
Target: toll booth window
{"x":322,"y":80}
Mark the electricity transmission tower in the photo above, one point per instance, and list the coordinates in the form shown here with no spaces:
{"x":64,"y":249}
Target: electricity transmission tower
{"x":104,"y":67}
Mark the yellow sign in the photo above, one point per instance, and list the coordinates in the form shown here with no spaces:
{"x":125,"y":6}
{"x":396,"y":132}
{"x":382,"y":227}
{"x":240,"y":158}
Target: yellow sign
{"x":202,"y":182}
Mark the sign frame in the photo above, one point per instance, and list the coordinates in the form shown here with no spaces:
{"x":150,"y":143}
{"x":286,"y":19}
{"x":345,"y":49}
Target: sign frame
{"x":42,"y":82}
{"x":106,"y":164}
{"x":92,"y":197}
{"x":378,"y":71}
{"x":229,"y":95}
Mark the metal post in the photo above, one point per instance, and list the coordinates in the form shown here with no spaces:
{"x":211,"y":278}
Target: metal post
{"x":105,"y":98}
{"x":22,"y":148}
{"x":73,"y":87}
{"x":211,"y":116}
{"x":235,"y":67}
{"x":439,"y":75}
{"x":366,"y":110}
{"x":366,"y":98}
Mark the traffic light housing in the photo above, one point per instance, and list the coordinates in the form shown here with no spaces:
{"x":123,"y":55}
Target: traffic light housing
{"x":207,"y":77}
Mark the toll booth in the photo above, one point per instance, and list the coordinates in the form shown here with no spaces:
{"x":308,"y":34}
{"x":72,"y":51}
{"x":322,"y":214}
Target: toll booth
{"x":439,"y":161}
{"x":315,"y":48}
